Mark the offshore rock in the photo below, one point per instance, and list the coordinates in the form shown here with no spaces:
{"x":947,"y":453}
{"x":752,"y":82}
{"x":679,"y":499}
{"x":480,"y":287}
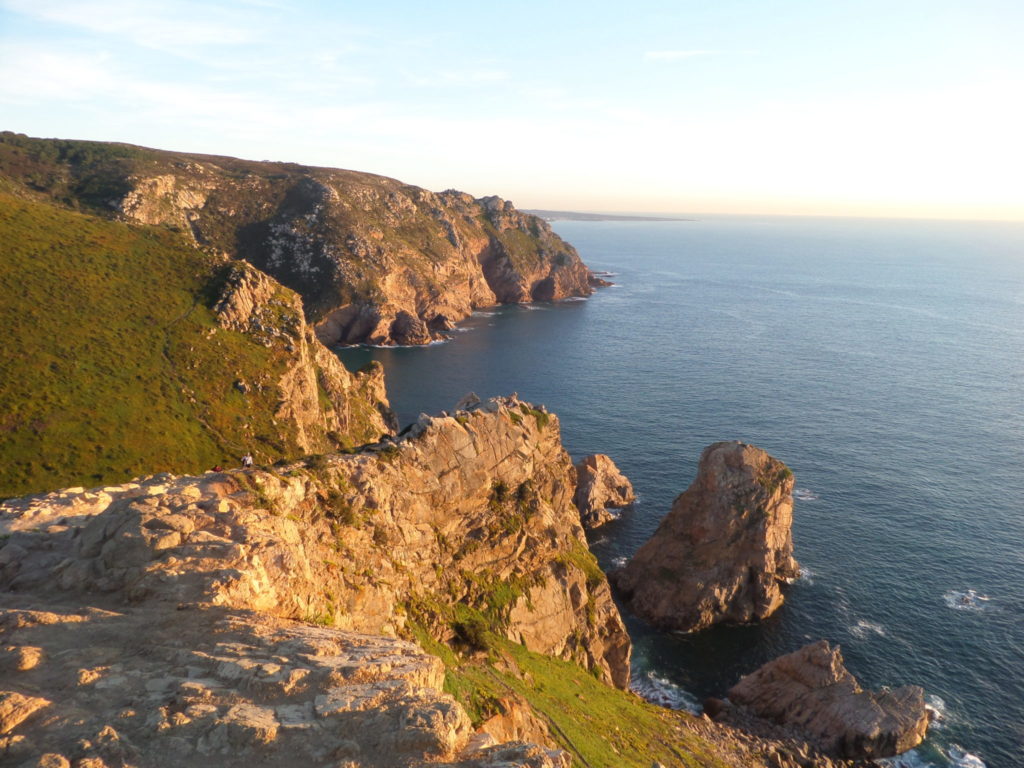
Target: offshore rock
{"x":723,"y":550}
{"x":813,"y":691}
{"x":600,"y":486}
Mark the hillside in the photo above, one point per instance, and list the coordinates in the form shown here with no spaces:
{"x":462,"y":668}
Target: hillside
{"x":375,"y":260}
{"x":115,"y":362}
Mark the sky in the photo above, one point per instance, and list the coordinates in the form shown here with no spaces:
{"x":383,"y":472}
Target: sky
{"x":908,"y":108}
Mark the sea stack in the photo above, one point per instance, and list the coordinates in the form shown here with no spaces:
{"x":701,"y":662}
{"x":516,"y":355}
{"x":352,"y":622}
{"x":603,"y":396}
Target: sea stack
{"x":813,"y":691}
{"x":724,"y":549}
{"x":600,"y":486}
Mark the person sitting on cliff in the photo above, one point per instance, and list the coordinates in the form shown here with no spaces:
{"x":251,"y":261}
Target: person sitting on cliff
{"x":247,"y":460}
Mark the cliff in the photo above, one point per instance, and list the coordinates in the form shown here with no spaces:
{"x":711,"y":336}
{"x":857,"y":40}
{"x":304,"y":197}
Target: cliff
{"x":375,"y":260}
{"x":267,"y":615}
{"x":723,"y":550}
{"x":126,"y":349}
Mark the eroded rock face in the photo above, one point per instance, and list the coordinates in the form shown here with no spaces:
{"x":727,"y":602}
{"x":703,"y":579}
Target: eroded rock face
{"x":374,"y":260}
{"x":459,"y":507}
{"x":327,"y":406}
{"x":724,"y":549}
{"x":162,"y":614}
{"x":812,"y":690}
{"x":600,"y":486}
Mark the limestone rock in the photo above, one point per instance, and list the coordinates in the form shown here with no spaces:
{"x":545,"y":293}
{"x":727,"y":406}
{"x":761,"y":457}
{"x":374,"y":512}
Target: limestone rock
{"x":812,"y":690}
{"x":724,"y":549}
{"x":600,"y":486}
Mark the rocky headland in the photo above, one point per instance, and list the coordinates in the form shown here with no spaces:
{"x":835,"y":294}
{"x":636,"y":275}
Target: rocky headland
{"x":375,"y":260}
{"x":723,"y":551}
{"x":406,"y":604}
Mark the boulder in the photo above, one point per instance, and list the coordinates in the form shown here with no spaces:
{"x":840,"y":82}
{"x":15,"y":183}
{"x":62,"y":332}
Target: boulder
{"x":600,"y":486}
{"x":724,"y":549}
{"x":813,"y":691}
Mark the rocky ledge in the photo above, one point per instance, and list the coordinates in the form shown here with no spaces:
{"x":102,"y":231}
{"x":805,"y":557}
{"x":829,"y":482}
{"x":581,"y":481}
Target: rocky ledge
{"x":172,"y":616}
{"x":722,"y":552}
{"x":812,"y":691}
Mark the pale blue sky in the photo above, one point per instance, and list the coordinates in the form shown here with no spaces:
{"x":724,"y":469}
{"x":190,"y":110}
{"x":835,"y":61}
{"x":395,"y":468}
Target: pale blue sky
{"x":904,"y":108}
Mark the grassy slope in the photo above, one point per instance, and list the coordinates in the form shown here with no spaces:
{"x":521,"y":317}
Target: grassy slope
{"x":110,"y":365}
{"x":601,"y":726}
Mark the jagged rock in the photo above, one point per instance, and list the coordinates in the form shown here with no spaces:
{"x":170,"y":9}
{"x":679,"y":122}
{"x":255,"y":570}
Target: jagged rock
{"x":326,"y":405}
{"x":812,"y":690}
{"x":208,"y":574}
{"x":600,"y":486}
{"x":15,"y":707}
{"x":723,"y":550}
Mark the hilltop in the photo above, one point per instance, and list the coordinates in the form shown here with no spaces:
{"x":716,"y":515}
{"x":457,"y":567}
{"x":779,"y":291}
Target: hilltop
{"x":375,"y":260}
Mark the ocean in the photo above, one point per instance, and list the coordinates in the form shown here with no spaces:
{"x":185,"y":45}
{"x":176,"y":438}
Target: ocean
{"x":882,"y":360}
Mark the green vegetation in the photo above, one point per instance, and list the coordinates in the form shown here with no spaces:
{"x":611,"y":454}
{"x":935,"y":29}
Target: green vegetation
{"x":600,"y":726}
{"x":112,"y":364}
{"x":542,"y":418}
{"x":774,"y":475}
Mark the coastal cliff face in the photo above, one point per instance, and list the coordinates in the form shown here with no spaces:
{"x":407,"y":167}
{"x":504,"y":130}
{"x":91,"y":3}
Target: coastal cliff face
{"x":375,"y":260}
{"x":472,"y":511}
{"x":600,"y":487}
{"x":722,"y":552}
{"x":178,"y":598}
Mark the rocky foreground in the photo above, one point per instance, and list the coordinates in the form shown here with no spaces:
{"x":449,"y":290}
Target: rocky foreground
{"x":175,"y":618}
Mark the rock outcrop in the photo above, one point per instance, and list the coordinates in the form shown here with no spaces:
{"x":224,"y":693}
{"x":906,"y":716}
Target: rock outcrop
{"x":813,"y":691}
{"x":600,"y":487}
{"x":463,"y":509}
{"x":173,"y":616}
{"x":723,"y":550}
{"x":375,"y":260}
{"x":327,"y":406}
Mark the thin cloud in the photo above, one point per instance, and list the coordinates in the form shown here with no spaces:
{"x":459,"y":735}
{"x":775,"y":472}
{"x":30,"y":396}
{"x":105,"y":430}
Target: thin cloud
{"x":680,"y":55}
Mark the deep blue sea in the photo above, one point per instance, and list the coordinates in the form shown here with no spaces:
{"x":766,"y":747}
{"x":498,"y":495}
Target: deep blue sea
{"x":883,"y":361}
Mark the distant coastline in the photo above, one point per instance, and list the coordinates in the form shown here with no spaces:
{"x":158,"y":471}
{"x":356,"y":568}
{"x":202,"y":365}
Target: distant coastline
{"x":576,"y":216}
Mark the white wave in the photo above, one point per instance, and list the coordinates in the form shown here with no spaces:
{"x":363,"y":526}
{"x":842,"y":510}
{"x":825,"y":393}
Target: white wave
{"x":958,"y":758}
{"x":620,"y":562}
{"x":532,"y":307}
{"x":574,"y":298}
{"x":478,"y":313}
{"x":863,"y":628}
{"x":966,"y":600}
{"x":663,"y":692}
{"x":803,"y":494}
{"x":936,"y":707}
{"x":806,"y":576}
{"x":433,"y":343}
{"x":600,"y":540}
{"x":909,"y":759}
{"x":963,"y":759}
